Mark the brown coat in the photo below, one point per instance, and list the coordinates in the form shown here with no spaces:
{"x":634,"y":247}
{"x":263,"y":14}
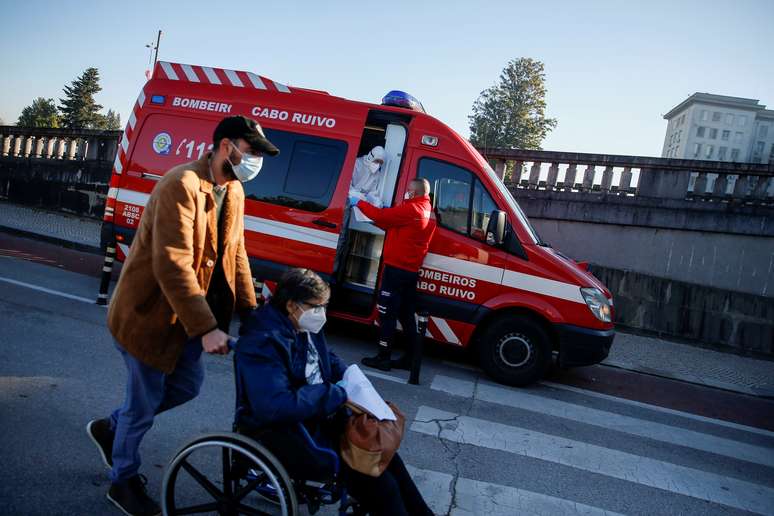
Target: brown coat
{"x":159,"y":301}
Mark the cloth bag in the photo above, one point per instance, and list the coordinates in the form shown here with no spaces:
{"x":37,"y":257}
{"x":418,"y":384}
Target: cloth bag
{"x":368,"y":444}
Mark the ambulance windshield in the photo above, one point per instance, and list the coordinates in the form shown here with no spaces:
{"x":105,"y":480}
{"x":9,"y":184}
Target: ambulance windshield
{"x":513,"y":204}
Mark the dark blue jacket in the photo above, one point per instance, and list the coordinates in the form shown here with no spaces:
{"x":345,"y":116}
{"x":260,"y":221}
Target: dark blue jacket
{"x":270,"y":359}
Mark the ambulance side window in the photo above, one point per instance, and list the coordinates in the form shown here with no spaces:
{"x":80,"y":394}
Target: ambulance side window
{"x":304,"y":174}
{"x":460,"y":201}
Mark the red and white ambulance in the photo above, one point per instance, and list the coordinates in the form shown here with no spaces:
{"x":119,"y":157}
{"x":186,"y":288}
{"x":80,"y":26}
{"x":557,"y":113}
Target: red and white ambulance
{"x":488,"y":281}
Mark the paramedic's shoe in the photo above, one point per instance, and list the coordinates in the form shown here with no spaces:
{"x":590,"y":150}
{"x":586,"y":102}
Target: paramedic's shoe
{"x":100,"y":433}
{"x":132,"y":498}
{"x":378,"y":362}
{"x":404,"y":362}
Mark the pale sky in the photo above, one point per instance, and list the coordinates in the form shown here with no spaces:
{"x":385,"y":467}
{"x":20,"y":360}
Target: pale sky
{"x":613,"y":68}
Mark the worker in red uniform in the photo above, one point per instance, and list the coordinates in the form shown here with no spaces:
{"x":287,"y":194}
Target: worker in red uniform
{"x":410,"y":227}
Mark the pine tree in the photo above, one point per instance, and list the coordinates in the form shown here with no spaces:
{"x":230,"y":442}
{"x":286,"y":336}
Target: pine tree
{"x":78,"y":108}
{"x":41,"y":113}
{"x":512,"y":112}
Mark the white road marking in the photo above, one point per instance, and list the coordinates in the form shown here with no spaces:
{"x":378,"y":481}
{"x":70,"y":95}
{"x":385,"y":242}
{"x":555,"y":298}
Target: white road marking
{"x":688,"y":415}
{"x":47,"y":290}
{"x":383,"y":376}
{"x":434,"y":486}
{"x":474,"y":497}
{"x":604,"y":419}
{"x":596,"y":459}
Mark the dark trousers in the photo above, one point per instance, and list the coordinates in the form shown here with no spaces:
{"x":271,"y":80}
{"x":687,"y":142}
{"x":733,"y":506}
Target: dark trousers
{"x":397,"y":301}
{"x":150,"y":392}
{"x":393,"y":493}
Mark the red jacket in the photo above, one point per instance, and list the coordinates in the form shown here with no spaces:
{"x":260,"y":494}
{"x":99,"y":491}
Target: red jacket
{"x":409,"y":226}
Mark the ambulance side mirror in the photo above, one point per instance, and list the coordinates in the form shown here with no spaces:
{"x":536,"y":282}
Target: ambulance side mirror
{"x":495,"y":230}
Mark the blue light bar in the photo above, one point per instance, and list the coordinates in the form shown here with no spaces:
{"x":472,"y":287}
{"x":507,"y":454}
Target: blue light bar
{"x":402,"y":99}
{"x":157,"y":99}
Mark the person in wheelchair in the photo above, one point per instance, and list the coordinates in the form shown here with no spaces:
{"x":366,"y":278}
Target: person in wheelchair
{"x":287,"y":376}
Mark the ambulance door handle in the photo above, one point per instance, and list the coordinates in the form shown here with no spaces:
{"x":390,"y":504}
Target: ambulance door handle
{"x":324,"y":223}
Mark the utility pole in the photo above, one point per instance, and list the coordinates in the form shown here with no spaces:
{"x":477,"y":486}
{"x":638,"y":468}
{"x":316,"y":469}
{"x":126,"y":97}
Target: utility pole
{"x":156,"y":57}
{"x":154,"y":48}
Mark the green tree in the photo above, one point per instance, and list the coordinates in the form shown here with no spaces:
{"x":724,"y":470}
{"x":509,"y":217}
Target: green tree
{"x":41,"y":113}
{"x":110,"y":122}
{"x":512,"y":112}
{"x":79,"y":110}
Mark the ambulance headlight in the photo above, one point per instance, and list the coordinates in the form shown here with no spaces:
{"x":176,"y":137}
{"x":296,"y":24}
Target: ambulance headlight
{"x":599,"y":305}
{"x":402,"y":99}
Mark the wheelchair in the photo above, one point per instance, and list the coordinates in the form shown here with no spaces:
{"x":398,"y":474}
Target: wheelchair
{"x":240,"y":472}
{"x":231,"y":473}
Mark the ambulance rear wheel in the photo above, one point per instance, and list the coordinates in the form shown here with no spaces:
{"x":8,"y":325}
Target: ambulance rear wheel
{"x":515,"y":351}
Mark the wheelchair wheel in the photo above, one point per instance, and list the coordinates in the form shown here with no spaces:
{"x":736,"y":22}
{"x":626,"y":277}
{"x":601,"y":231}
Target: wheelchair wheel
{"x":226,"y":474}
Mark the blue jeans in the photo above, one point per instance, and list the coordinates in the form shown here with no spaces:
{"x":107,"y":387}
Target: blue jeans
{"x":150,"y":392}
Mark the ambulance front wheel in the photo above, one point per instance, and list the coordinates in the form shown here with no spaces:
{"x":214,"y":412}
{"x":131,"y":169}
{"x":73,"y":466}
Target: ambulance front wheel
{"x":515,"y":350}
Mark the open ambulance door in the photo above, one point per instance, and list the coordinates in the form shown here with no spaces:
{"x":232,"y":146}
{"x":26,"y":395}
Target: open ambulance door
{"x":361,"y":244}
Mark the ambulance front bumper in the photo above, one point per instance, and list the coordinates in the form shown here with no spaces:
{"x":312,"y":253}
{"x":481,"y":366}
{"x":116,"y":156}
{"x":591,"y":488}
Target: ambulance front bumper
{"x":583,"y":346}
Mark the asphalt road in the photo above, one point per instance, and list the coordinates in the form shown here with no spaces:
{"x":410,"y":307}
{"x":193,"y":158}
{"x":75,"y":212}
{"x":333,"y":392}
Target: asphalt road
{"x":591,"y":441}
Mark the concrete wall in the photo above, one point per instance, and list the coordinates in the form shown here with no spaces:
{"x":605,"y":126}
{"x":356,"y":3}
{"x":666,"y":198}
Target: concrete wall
{"x":670,"y":308}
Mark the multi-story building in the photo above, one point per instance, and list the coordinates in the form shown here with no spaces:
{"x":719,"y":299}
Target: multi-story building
{"x":720,"y":128}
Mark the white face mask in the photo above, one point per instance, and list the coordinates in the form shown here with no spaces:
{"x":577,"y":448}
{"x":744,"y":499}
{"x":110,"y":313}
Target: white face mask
{"x":312,"y":320}
{"x":408,"y":195}
{"x":248,"y":168}
{"x":373,"y":167}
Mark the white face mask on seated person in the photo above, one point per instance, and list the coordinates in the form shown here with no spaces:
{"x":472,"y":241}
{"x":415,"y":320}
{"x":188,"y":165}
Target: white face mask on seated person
{"x":311,"y":319}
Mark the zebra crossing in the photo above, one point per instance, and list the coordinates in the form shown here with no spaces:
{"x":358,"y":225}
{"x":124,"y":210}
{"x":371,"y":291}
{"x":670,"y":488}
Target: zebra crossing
{"x":606,"y":456}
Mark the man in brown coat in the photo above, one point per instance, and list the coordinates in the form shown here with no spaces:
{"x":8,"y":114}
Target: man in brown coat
{"x":185,"y":274}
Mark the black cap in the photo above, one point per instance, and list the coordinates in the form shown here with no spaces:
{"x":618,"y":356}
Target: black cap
{"x":234,"y":127}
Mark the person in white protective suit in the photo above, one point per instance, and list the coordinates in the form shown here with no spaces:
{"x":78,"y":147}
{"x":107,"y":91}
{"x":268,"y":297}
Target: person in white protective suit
{"x":367,"y":176}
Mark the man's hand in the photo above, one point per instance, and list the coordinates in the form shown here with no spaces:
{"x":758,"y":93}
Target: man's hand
{"x":215,"y":342}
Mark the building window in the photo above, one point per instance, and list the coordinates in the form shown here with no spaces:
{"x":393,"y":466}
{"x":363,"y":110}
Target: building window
{"x":729,"y":119}
{"x":700,"y":131}
{"x":704,"y":114}
{"x":710,"y":148}
{"x":734,"y":154}
{"x":677,"y":148}
{"x":738,"y":137}
{"x":716,"y":115}
{"x":741,"y":120}
{"x":713,"y":133}
{"x":682,"y":119}
{"x":696,"y":149}
{"x":722,"y":153}
{"x":759,"y":147}
{"x":763,"y":130}
{"x":726,"y":135}
{"x":679,"y":135}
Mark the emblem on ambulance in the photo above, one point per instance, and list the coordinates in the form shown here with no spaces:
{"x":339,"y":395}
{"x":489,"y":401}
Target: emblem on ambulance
{"x":162,"y":143}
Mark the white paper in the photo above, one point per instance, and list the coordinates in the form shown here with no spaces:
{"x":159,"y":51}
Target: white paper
{"x":361,"y":392}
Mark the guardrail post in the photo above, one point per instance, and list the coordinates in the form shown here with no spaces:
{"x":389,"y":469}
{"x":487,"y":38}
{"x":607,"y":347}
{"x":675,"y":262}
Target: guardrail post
{"x":416,"y":354}
{"x":107,"y":271}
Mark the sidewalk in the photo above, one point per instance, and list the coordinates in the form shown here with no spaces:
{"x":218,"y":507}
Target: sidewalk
{"x":632,"y":352}
{"x":61,"y":228}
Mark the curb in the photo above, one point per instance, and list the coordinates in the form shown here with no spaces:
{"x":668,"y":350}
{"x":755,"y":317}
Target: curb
{"x":51,"y":240}
{"x":766,"y":392}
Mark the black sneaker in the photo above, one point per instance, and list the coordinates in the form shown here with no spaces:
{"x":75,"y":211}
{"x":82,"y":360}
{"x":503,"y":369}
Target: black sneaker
{"x":100,"y":433}
{"x":377,"y":362}
{"x":132,"y":498}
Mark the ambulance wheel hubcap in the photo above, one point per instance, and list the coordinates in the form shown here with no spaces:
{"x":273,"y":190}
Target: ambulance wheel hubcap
{"x":515,"y":350}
